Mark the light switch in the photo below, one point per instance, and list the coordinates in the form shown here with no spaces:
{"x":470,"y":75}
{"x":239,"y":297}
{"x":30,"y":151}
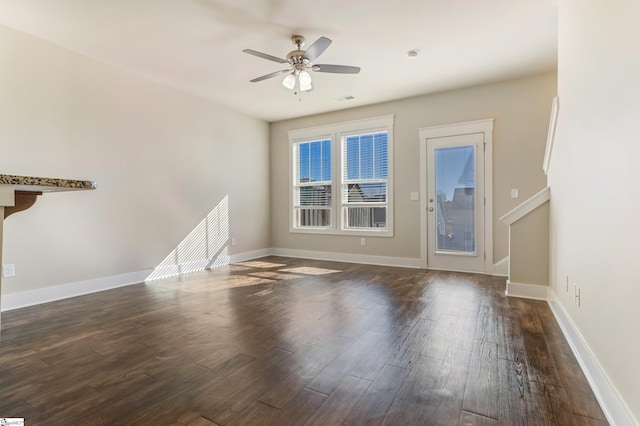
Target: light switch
{"x":514,"y":193}
{"x":9,"y":270}
{"x":414,"y":196}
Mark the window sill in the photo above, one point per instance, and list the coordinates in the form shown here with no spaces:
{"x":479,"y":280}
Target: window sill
{"x":346,"y":232}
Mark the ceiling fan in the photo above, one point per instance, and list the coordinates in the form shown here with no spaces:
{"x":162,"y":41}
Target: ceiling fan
{"x":300,"y":62}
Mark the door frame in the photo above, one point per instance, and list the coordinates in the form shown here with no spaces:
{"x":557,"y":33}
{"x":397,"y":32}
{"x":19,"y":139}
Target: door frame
{"x":456,"y":129}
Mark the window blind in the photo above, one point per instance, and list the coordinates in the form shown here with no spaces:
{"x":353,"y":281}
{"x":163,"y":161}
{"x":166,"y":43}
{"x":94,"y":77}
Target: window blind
{"x":312,"y":183}
{"x":365,"y":167}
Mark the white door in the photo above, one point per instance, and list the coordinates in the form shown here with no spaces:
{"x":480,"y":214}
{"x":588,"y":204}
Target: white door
{"x":456,"y":203}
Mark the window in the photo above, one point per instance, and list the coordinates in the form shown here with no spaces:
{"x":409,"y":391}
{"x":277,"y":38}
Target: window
{"x":364,"y":180}
{"x":312,"y":184}
{"x":342,"y":178}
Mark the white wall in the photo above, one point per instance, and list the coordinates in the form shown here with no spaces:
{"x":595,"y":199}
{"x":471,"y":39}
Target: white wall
{"x":521,"y":110}
{"x":162,"y":159}
{"x":595,"y":179}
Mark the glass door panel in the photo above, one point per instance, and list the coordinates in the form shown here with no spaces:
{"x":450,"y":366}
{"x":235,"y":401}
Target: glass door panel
{"x":455,"y":203}
{"x":455,"y":199}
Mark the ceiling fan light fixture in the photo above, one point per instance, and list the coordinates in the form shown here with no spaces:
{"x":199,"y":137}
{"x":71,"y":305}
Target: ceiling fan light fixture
{"x":300,"y":62}
{"x":289,"y":81}
{"x":305,"y":78}
{"x":305,"y":86}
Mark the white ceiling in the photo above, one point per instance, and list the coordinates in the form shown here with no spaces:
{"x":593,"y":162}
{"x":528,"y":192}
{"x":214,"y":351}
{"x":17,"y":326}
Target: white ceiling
{"x":196,"y":45}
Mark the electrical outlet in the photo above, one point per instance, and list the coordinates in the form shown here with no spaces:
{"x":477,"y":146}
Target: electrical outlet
{"x":233,"y":241}
{"x":363,"y":241}
{"x":9,"y":270}
{"x":514,"y":193}
{"x":566,"y":282}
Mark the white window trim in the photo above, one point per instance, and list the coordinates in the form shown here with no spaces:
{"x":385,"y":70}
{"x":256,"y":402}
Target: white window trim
{"x":336,"y":132}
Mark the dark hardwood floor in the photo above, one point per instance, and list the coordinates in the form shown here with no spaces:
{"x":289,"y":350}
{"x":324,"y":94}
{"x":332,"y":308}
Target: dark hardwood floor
{"x":282,"y":341}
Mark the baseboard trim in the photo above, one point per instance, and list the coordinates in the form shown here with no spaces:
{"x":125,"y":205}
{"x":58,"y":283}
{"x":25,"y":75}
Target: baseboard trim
{"x":49,"y":294}
{"x":501,"y":268}
{"x":614,"y":407}
{"x":403,"y":262}
{"x":250,"y":255}
{"x":527,"y":291}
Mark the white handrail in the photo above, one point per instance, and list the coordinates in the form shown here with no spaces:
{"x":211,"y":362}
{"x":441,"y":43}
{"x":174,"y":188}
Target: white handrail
{"x":527,"y":206}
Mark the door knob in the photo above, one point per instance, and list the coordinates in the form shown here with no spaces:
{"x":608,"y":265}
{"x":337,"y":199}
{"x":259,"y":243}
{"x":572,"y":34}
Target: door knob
{"x":430,"y":209}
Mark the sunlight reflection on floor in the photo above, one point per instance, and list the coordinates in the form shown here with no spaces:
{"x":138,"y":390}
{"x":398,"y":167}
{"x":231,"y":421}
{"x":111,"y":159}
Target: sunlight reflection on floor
{"x":310,"y":270}
{"x":243,"y":274}
{"x":261,"y":264}
{"x":274,"y":275}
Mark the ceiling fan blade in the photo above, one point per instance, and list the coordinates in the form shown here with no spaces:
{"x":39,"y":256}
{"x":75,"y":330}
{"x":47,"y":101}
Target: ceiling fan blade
{"x":316,"y":49}
{"x":339,"y":69}
{"x":265,"y":56}
{"x":273,"y":74}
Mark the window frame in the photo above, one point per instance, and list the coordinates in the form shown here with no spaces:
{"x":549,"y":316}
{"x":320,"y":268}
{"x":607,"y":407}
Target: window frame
{"x":338,"y":134}
{"x":294,"y":150}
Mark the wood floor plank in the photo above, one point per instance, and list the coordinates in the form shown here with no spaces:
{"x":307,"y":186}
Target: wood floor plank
{"x":113,"y":401}
{"x":446,"y":402}
{"x":300,"y":409}
{"x":441,"y":337}
{"x":223,"y":400}
{"x":411,"y":342}
{"x":281,"y":341}
{"x":487,"y":325}
{"x":201,"y":421}
{"x":364,"y":348}
{"x":307,"y":364}
{"x":375,"y":403}
{"x":514,"y":394}
{"x":142,"y":403}
{"x":550,"y":406}
{"x":481,"y":392}
{"x":257,"y":413}
{"x":18,"y":409}
{"x":341,"y":401}
{"x":371,"y":362}
{"x":465,"y":331}
{"x":433,"y":390}
{"x":222,"y":363}
{"x":472,"y":419}
{"x":510,"y":344}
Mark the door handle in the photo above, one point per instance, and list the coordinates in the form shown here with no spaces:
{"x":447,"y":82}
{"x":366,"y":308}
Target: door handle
{"x":430,"y":209}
